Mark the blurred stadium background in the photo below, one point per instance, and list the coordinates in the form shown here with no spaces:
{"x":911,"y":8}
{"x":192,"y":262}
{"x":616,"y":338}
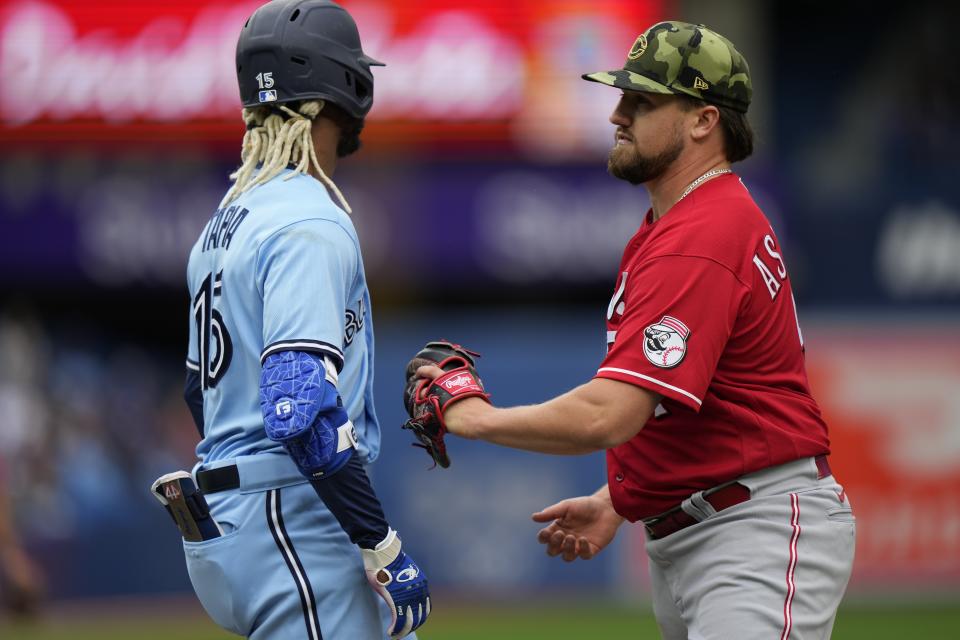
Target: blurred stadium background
{"x":484,"y":153}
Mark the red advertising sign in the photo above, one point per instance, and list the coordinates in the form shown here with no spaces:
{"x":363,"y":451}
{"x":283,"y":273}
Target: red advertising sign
{"x":890,"y":397}
{"x":106,"y":69}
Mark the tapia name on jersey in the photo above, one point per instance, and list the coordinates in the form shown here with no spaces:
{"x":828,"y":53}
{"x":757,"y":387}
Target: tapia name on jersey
{"x":221,"y":227}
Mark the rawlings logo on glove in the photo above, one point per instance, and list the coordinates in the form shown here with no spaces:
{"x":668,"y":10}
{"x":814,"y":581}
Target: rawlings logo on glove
{"x":461,"y":383}
{"x":426,"y":400}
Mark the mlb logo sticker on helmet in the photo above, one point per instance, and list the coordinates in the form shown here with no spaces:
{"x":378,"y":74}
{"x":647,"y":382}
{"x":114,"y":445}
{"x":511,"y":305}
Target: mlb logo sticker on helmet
{"x":268,"y":96}
{"x":665,"y":342}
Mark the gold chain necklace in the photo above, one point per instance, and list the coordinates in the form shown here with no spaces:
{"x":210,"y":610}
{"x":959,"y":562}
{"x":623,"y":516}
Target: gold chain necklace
{"x":696,"y":183}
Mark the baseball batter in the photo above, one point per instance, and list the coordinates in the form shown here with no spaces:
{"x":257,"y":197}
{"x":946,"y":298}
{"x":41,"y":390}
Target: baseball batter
{"x":714,"y":442}
{"x":280,"y":358}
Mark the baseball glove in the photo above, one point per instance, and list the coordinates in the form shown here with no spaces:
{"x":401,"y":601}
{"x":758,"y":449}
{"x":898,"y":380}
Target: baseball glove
{"x":426,"y":400}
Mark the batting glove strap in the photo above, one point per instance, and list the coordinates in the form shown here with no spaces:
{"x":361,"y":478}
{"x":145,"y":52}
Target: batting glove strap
{"x":383,"y":554}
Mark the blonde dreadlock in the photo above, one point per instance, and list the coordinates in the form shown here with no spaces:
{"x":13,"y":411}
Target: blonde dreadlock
{"x":274,"y":142}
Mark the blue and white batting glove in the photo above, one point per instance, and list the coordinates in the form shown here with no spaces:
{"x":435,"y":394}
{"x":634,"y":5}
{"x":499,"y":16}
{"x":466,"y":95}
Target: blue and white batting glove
{"x":395,"y":577}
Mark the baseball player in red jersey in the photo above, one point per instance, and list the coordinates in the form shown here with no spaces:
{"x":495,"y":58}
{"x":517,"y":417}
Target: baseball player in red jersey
{"x":714,"y":441}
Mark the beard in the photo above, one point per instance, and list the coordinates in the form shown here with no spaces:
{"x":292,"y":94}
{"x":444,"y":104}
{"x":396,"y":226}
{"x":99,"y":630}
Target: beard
{"x":628,"y":163}
{"x":349,"y":141}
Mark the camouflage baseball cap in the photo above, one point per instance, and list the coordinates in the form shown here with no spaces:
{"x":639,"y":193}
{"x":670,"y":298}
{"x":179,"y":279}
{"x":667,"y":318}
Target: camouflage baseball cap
{"x":679,"y":57}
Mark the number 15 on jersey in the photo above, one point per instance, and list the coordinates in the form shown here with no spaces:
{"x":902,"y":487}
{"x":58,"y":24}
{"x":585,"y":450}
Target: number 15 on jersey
{"x":214,"y":345}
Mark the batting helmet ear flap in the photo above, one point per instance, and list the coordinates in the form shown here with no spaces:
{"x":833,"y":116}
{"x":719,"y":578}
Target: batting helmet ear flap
{"x":291,"y":50}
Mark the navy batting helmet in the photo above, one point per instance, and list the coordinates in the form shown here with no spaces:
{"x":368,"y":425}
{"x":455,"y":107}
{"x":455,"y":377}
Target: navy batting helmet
{"x":304,"y":50}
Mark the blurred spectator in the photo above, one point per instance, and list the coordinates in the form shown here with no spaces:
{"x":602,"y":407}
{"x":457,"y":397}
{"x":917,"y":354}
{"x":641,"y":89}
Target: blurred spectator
{"x":82,"y":439}
{"x":21,"y":581}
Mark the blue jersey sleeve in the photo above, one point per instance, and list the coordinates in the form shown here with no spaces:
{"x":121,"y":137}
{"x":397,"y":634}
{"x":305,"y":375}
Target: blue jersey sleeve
{"x":305,"y":272}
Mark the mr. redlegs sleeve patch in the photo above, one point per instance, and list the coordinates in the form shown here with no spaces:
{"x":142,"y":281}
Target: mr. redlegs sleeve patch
{"x":665,"y":342}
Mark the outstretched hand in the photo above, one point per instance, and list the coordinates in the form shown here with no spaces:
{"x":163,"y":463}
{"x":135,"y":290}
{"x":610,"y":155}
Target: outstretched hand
{"x":580,"y":527}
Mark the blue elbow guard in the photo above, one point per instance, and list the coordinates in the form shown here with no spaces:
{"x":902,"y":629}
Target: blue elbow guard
{"x":302,"y":409}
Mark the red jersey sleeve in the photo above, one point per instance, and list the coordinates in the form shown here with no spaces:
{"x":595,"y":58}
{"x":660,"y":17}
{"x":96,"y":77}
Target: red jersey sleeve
{"x":668,"y":323}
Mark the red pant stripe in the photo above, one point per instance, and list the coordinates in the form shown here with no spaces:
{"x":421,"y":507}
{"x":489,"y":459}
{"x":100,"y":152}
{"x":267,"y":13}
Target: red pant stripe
{"x":791,"y":567}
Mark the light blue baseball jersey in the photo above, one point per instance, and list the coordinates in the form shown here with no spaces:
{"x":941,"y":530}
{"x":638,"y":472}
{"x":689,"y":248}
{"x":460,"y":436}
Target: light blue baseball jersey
{"x":279,"y":268}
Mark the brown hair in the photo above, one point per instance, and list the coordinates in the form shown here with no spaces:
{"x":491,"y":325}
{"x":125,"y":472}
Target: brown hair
{"x":737,"y":132}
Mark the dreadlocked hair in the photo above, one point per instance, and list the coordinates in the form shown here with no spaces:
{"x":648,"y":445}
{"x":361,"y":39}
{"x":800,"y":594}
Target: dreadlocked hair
{"x":277,"y":137}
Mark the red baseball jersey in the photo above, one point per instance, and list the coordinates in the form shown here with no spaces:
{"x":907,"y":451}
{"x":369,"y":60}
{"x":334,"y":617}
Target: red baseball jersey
{"x":703,"y":314}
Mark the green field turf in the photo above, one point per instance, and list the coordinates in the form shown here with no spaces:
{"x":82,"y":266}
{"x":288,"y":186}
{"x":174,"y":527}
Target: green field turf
{"x":537,"y":622}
